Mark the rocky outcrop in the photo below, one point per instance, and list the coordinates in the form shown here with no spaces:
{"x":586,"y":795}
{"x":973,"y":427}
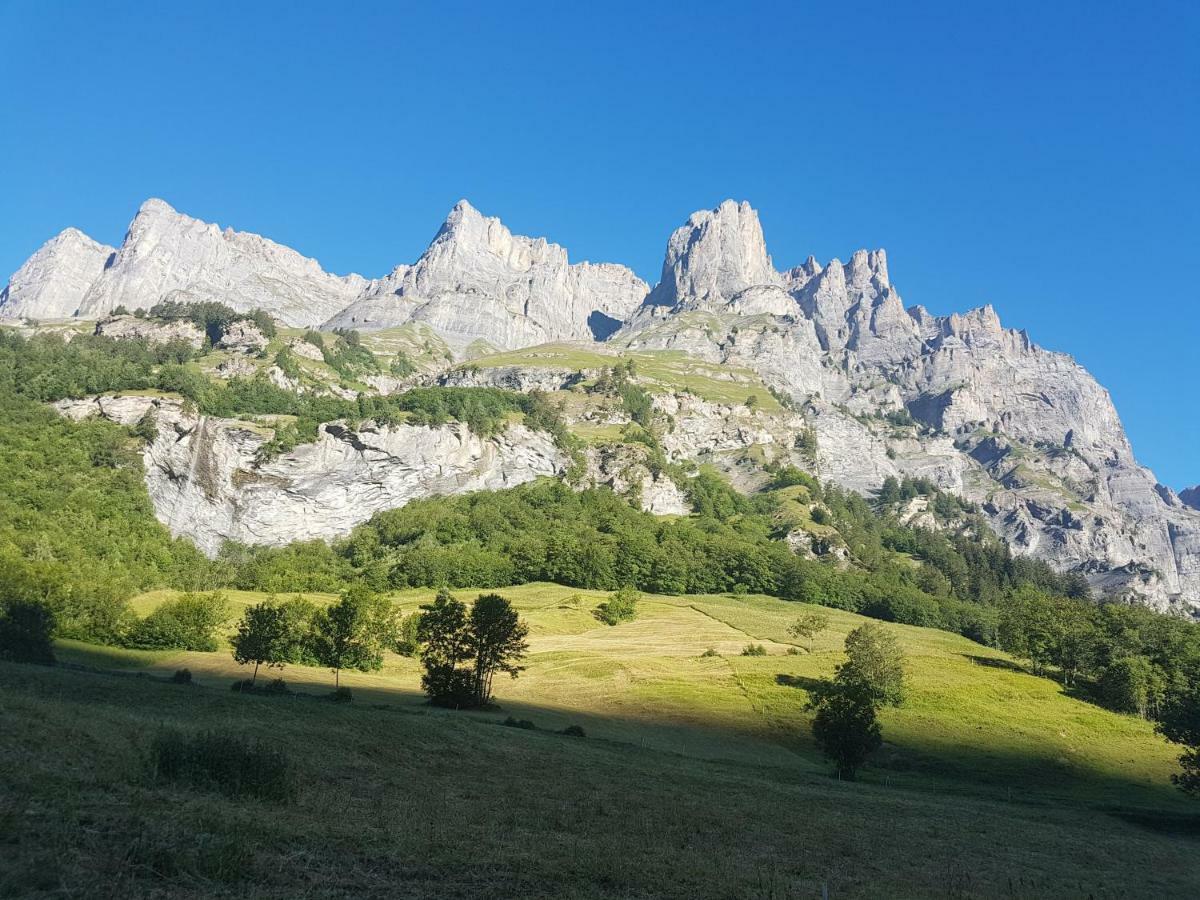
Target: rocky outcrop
{"x":54,"y":281}
{"x":714,"y":257}
{"x":206,"y":481}
{"x":154,"y":331}
{"x":623,"y":468}
{"x":1190,"y":497}
{"x":478,"y":281}
{"x":1066,"y":486}
{"x":243,"y":336}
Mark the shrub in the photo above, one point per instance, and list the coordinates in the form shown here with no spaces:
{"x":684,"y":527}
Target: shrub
{"x":519,"y":723}
{"x":573,"y":731}
{"x":182,"y":676}
{"x":409,"y":641}
{"x":188,"y":623}
{"x":709,"y":652}
{"x":25,"y":630}
{"x":243,"y":686}
{"x":341,"y":695}
{"x":619,"y":607}
{"x":227,"y":763}
{"x":754,"y":650}
{"x":278,"y":686}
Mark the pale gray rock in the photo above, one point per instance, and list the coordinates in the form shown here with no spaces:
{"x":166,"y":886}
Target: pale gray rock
{"x":53,"y":282}
{"x":167,"y":256}
{"x":717,"y":255}
{"x":1072,"y":493}
{"x":301,"y":347}
{"x":622,"y":467}
{"x":243,"y":336}
{"x":1191,"y":497}
{"x":236,"y":367}
{"x":478,"y":281}
{"x":205,"y":481}
{"x":155,"y":331}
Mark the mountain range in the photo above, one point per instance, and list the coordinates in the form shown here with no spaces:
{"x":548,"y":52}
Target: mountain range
{"x":886,"y":388}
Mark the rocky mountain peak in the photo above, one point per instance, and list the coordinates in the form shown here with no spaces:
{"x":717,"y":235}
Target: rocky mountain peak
{"x":167,"y":255}
{"x":715,"y":256}
{"x":1191,"y":497}
{"x":53,"y":282}
{"x":477,"y":281}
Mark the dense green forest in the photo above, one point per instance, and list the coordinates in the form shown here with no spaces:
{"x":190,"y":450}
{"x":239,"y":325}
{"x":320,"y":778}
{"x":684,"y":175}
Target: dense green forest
{"x":77,"y":531}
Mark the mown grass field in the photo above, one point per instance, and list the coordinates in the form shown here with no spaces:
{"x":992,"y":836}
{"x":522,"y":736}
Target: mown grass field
{"x":698,"y":776}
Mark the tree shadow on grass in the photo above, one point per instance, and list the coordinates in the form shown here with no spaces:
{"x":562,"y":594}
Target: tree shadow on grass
{"x":992,"y":662}
{"x":799,"y":681}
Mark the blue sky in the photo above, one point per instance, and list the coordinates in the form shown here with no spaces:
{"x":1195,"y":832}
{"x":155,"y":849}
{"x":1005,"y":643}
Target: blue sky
{"x":1038,"y":156}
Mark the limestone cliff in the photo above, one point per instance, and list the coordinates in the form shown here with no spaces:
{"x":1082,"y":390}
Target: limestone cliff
{"x":206,"y":481}
{"x":478,"y":281}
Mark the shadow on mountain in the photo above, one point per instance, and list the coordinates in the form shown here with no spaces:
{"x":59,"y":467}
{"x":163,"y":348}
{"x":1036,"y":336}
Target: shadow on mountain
{"x":602,"y":326}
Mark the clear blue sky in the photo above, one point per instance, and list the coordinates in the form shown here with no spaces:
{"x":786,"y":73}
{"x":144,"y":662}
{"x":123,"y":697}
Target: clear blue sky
{"x":1038,"y":156}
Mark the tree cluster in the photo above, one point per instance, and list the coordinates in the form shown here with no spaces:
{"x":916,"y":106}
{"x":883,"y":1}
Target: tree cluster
{"x":462,"y":648}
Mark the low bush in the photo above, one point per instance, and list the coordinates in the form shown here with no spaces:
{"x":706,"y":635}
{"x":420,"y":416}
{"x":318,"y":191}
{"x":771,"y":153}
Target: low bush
{"x":182,"y":676}
{"x":710,"y":652}
{"x":619,"y":607}
{"x":573,"y":731}
{"x":226,"y":763}
{"x":754,"y":650}
{"x":342,"y":695}
{"x":187,"y":623}
{"x":519,"y":723}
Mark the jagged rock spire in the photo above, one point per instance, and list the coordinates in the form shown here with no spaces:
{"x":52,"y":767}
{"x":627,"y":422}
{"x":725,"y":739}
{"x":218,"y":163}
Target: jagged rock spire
{"x":715,"y":256}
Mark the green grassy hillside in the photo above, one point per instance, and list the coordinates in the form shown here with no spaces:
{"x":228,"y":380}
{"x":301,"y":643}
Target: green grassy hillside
{"x":698,"y":776}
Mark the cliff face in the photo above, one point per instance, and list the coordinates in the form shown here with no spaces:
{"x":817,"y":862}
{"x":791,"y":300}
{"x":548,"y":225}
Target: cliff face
{"x":1026,"y":432}
{"x":478,"y":281}
{"x":54,"y":281}
{"x":205,"y":483}
{"x":887,"y":389}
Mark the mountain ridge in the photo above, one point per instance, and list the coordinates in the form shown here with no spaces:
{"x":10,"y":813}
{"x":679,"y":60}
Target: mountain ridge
{"x":889,"y":390}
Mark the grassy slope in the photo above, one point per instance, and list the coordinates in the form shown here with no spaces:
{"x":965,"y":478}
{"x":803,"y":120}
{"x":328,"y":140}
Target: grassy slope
{"x":698,"y":777}
{"x":973,"y":721}
{"x":667,"y":370}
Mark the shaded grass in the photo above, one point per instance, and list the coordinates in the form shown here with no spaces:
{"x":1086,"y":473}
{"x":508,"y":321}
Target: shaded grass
{"x":396,"y":802}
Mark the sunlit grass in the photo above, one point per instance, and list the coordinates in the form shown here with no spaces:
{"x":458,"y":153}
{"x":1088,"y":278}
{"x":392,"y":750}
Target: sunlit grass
{"x":973,"y":716}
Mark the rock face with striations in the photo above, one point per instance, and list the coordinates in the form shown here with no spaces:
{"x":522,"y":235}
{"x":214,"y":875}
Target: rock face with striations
{"x":1026,"y":432}
{"x":54,"y":281}
{"x":205,"y":481}
{"x":167,"y":256}
{"x":479,"y":281}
